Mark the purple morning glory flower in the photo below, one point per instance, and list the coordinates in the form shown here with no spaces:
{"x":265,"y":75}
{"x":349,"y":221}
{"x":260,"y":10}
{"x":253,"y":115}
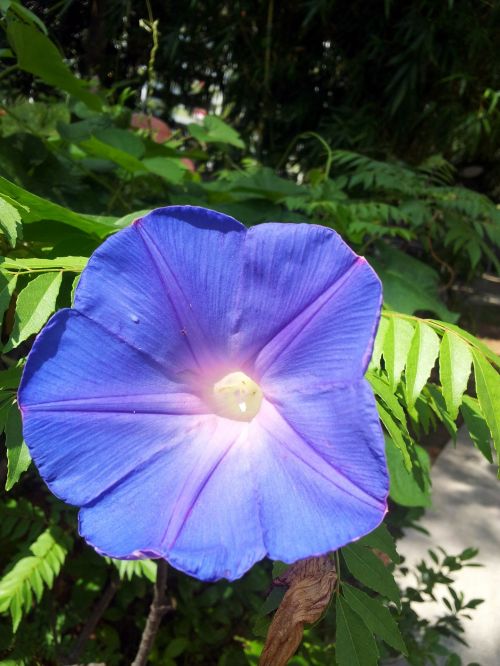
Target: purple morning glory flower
{"x":204,"y":400}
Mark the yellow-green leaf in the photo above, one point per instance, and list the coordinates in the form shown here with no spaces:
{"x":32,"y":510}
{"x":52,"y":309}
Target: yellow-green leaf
{"x":396,"y":347}
{"x":35,"y":303}
{"x":455,"y":360}
{"x":421,"y":358}
{"x":488,"y":394}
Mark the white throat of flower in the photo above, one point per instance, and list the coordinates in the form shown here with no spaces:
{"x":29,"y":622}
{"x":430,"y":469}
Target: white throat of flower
{"x":237,"y":397}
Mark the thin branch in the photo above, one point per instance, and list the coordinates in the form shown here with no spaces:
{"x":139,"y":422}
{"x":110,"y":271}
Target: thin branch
{"x":442,"y":263}
{"x":92,"y":621}
{"x":157,"y":610}
{"x":9,"y":70}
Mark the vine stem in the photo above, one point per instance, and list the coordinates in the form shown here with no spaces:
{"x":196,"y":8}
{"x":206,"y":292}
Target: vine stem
{"x":337,"y":567}
{"x":157,"y":610}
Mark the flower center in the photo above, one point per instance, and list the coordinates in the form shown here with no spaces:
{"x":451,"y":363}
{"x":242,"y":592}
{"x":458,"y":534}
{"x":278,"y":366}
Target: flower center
{"x":237,"y":397}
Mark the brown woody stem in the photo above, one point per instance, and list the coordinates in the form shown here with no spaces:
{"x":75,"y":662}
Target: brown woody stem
{"x":157,"y":610}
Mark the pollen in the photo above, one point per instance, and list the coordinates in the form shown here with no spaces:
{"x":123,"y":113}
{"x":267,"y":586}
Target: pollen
{"x":237,"y":397}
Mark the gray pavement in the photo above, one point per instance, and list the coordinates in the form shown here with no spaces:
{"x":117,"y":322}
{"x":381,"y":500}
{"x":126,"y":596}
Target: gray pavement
{"x":466,"y":512}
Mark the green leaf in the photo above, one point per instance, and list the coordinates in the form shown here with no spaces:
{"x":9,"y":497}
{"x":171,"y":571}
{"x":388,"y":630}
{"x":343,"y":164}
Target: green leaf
{"x":395,"y":433}
{"x":25,"y":14}
{"x":18,"y":456}
{"x":477,"y":344}
{"x":433,"y":395}
{"x":421,"y":359}
{"x":366,"y":567}
{"x":73,"y":289}
{"x":176,"y":647}
{"x":41,"y":118}
{"x":123,"y":140}
{"x":215,"y":130}
{"x":5,"y":405}
{"x":17,"y":586}
{"x":376,"y":616}
{"x":396,"y":347}
{"x":383,"y":540}
{"x":379,"y":343}
{"x":477,"y":426}
{"x":409,"y":284}
{"x":279,"y":568}
{"x":126,"y":220}
{"x":7,"y":287}
{"x":37,"y":55}
{"x":488,"y":394}
{"x":72,"y":264}
{"x":43,"y":209}
{"x":169,"y":168}
{"x":98,"y":148}
{"x":355,"y":645}
{"x":35,"y":303}
{"x":127,"y":569}
{"x":273,"y":600}
{"x":384,"y":391}
{"x":405,"y":488}
{"x":10,"y":378}
{"x":455,"y":360}
{"x":10,"y":222}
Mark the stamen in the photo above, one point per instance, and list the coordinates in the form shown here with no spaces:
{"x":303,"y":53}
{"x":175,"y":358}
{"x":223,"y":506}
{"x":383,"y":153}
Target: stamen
{"x":237,"y":397}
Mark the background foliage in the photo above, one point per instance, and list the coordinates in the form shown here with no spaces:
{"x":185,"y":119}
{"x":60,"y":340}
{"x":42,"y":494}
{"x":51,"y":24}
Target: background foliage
{"x":366,"y":126}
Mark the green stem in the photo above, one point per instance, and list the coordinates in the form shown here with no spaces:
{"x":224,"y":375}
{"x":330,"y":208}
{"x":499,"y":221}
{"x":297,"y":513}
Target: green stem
{"x":337,"y":567}
{"x":9,"y":70}
{"x":304,"y":135}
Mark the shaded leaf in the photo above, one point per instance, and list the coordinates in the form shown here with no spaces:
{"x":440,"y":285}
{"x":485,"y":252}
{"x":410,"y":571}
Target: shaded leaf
{"x":43,"y":209}
{"x":7,"y":287}
{"x":409,"y":284}
{"x":10,"y":378}
{"x":93,"y":146}
{"x":355,"y":645}
{"x":381,"y":539}
{"x":18,"y":456}
{"x":376,"y":616}
{"x":405,"y":489}
{"x":215,"y":130}
{"x":488,"y":394}
{"x":395,"y":433}
{"x":366,"y":567}
{"x":37,"y":55}
{"x":10,"y":222}
{"x":477,"y":426}
{"x":169,"y":168}
{"x":384,"y":391}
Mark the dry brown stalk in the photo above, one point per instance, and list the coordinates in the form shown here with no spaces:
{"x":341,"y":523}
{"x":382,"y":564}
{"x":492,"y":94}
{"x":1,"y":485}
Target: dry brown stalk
{"x":310,"y":585}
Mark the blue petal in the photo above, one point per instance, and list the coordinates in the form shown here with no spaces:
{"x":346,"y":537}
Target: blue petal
{"x":165,"y":284}
{"x":330,"y":341}
{"x":322,"y":477}
{"x":285,"y":268}
{"x":94,"y":408}
{"x":194,"y":506}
